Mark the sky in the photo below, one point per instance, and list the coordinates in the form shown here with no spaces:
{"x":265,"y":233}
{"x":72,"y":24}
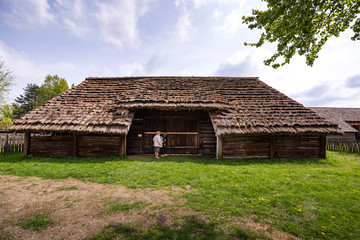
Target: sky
{"x":76,"y":39}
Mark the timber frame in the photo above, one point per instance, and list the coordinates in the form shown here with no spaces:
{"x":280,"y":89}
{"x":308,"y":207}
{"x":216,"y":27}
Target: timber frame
{"x":229,"y":117}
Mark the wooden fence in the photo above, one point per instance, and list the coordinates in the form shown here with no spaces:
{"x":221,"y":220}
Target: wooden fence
{"x":11,"y":142}
{"x":343,"y":145}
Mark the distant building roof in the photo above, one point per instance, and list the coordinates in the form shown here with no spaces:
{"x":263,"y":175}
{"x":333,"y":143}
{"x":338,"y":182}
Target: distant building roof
{"x":340,"y":116}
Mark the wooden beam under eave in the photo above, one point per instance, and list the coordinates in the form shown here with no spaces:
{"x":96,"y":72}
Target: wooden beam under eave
{"x":26,"y":143}
{"x":323,"y":146}
{"x":123,"y":146}
{"x":271,"y":147}
{"x":219,"y":150}
{"x":75,"y":145}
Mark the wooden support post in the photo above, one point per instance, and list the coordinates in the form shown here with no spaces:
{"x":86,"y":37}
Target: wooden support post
{"x":219,"y":152}
{"x":271,"y":147}
{"x":123,"y":146}
{"x":7,"y":144}
{"x":323,"y":146}
{"x":26,"y":143}
{"x":75,"y":145}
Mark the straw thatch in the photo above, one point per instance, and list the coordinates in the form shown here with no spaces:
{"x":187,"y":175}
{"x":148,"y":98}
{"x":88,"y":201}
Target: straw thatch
{"x":341,"y":116}
{"x":235,"y":105}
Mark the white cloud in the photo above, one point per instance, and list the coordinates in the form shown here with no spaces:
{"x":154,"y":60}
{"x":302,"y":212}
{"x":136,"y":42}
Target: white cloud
{"x":216,"y":14}
{"x":75,"y":16}
{"x":142,"y":68}
{"x":200,"y":3}
{"x":132,"y":69}
{"x":113,"y":21}
{"x":232,"y":23}
{"x":320,"y":85}
{"x":25,"y":71}
{"x":27,"y":13}
{"x":118,"y":21}
{"x":184,"y":27}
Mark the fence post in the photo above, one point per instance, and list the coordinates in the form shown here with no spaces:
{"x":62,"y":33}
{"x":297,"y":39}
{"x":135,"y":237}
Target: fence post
{"x":26,"y":143}
{"x":7,"y":147}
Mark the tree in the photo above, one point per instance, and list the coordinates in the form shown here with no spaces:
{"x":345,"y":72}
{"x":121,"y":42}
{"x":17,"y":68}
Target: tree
{"x":27,"y":102}
{"x":52,"y":86}
{"x":6,"y":79}
{"x":6,"y":115}
{"x":34,"y":96}
{"x":303,"y":26}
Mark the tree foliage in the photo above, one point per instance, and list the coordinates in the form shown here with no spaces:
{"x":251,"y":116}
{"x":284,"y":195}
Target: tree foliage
{"x":6,"y":115}
{"x":34,"y":96}
{"x":6,"y":111}
{"x":52,"y":86}
{"x":6,"y":79}
{"x":303,"y":26}
{"x":27,"y":101}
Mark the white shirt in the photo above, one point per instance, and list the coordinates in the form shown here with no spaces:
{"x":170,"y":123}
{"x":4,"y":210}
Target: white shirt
{"x":157,"y":141}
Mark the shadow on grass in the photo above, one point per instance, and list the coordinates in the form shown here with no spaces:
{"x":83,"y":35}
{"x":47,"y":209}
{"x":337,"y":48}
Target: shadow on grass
{"x":17,"y":157}
{"x":192,"y":228}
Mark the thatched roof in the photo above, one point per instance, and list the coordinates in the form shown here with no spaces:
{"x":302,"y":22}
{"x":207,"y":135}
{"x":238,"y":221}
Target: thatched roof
{"x":341,"y":116}
{"x":235,"y":105}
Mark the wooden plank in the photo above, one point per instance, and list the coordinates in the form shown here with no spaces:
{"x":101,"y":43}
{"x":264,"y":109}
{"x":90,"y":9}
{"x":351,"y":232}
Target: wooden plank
{"x":75,"y":145}
{"x":297,"y":147}
{"x":176,"y":133}
{"x":323,"y":146}
{"x":219,"y":147}
{"x":271,"y":147}
{"x":123,"y":145}
{"x":26,"y":143}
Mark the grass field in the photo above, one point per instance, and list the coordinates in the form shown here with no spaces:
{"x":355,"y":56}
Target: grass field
{"x":309,"y":198}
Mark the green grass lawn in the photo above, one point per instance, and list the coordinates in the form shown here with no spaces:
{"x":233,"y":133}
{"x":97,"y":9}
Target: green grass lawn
{"x":310,"y":198}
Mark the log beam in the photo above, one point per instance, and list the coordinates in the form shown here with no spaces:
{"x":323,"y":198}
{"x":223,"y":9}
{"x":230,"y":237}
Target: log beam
{"x":271,"y":147}
{"x":26,"y":143}
{"x":219,"y":152}
{"x":75,"y":145}
{"x":323,"y":146}
{"x":123,"y":146}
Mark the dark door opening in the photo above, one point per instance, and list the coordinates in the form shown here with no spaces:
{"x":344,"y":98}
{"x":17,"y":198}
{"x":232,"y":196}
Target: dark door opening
{"x":188,"y":132}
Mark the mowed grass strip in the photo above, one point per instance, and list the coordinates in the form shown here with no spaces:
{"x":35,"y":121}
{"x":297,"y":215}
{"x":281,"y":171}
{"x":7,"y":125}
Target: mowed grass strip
{"x":310,"y":198}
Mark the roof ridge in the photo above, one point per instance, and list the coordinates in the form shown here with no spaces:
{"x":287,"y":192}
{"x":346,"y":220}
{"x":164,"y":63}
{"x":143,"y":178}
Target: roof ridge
{"x":167,"y":77}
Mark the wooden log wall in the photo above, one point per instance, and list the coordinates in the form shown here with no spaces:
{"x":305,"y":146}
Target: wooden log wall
{"x":99,"y":146}
{"x":297,"y":147}
{"x":51,"y":146}
{"x":77,"y":146}
{"x":207,"y":136}
{"x":135,"y":136}
{"x":235,"y":146}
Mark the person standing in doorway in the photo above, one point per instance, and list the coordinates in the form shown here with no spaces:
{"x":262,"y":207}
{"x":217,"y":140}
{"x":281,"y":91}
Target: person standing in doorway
{"x":157,"y":142}
{"x":163,"y":149}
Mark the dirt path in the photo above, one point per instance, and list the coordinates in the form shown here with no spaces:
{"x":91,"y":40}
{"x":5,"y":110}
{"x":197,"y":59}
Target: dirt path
{"x":80,"y":209}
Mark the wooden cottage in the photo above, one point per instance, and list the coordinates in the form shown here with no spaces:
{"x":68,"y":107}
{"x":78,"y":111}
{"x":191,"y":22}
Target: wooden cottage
{"x":216,"y":116}
{"x":348,"y":120}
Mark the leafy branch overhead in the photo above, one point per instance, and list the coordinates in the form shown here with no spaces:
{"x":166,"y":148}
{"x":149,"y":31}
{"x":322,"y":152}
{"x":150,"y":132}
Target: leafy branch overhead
{"x":303,"y":26}
{"x":6,"y":79}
